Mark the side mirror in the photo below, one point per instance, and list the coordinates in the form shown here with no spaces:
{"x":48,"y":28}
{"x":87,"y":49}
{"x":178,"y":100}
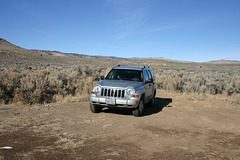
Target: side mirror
{"x":149,"y":81}
{"x":102,"y":77}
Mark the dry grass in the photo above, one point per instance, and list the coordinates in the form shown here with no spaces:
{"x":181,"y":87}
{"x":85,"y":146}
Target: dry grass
{"x":194,"y":96}
{"x":39,"y":77}
{"x":198,"y":81}
{"x":235,"y":99}
{"x":48,"y":85}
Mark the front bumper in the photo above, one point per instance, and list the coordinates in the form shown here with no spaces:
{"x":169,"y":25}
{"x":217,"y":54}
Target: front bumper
{"x":119,"y":102}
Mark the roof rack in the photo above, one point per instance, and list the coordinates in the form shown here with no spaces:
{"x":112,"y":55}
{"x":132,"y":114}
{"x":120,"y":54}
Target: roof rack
{"x":122,"y":65}
{"x":146,"y":66}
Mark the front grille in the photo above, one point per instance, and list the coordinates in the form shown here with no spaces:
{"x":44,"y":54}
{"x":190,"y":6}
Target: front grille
{"x":107,"y":92}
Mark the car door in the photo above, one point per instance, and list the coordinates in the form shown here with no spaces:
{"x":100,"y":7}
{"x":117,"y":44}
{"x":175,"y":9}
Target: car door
{"x":148,"y":86}
{"x":151,"y":83}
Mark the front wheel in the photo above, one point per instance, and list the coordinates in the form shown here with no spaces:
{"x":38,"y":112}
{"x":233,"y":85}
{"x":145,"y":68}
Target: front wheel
{"x":139,"y":110}
{"x":95,"y":109}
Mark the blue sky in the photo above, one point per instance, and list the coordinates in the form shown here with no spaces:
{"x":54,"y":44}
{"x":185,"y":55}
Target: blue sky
{"x":191,"y":30}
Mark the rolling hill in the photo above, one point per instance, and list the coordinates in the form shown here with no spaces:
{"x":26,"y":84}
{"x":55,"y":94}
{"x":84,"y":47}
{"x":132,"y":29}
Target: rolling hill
{"x":14,"y":52}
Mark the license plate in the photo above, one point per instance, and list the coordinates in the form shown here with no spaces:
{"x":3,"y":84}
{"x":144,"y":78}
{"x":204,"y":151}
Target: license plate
{"x":110,"y":101}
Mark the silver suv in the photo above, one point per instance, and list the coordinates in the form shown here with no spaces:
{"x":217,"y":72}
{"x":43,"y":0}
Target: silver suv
{"x":126,"y":87}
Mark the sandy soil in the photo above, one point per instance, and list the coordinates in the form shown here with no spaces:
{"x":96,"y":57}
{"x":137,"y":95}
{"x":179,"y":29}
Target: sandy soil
{"x":174,"y":128}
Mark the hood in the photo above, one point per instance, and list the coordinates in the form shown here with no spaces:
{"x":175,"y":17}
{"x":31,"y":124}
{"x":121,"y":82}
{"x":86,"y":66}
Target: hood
{"x":119,"y":83}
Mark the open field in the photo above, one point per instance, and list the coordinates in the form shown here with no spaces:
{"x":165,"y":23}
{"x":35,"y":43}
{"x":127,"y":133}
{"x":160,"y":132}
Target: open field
{"x":39,"y":77}
{"x":174,"y":129}
{"x":44,"y":109}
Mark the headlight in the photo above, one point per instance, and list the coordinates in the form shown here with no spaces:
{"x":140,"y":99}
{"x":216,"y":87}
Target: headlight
{"x":97,"y":90}
{"x":129,"y":92}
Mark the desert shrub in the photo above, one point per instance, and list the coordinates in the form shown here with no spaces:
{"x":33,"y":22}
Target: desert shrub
{"x":34,"y":88}
{"x":30,"y":83}
{"x":235,"y":99}
{"x":9,"y":82}
{"x":234,"y":86}
{"x":47,"y":84}
{"x":197,"y":80}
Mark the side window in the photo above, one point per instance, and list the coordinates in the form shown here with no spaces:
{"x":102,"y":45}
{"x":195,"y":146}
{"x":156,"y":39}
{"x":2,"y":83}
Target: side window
{"x":146,"y":76}
{"x":150,"y":75}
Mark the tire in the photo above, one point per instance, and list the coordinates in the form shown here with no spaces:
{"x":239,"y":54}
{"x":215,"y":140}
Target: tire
{"x":138,"y":112}
{"x":152,"y":102}
{"x":95,"y":109}
{"x":153,"y":99}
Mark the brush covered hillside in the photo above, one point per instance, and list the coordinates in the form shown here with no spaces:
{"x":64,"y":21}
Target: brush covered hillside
{"x":40,"y":76}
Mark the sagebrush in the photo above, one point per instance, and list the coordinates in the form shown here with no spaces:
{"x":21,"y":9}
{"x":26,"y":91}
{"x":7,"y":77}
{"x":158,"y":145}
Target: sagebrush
{"x":28,"y":83}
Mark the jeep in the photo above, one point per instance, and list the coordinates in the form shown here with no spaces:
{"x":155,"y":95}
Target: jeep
{"x":124,"y":87}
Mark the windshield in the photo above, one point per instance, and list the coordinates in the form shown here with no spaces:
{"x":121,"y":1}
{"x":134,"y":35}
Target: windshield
{"x":123,"y":74}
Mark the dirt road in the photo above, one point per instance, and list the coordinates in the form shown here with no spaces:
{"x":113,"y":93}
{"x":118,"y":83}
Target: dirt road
{"x":174,"y":129}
